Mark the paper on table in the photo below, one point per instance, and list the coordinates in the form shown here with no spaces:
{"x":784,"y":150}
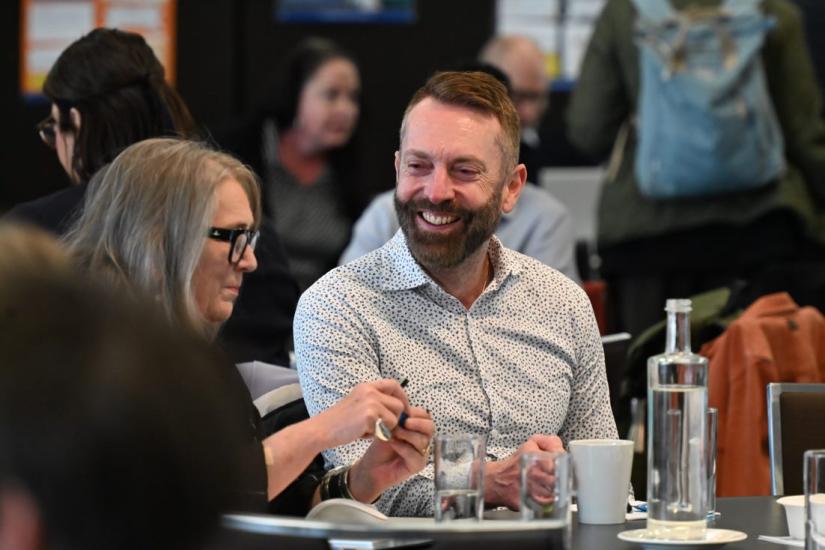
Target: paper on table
{"x":787,"y":541}
{"x":377,"y":544}
{"x":342,"y":510}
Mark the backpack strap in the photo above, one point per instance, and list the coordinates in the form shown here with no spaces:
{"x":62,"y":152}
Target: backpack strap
{"x":654,"y":11}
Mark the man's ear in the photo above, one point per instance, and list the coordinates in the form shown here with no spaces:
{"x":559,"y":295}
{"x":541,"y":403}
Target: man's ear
{"x":20,"y":522}
{"x":512,"y":188}
{"x":397,"y":163}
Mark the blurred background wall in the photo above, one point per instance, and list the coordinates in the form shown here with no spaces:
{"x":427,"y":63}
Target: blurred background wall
{"x":227,"y":50}
{"x":226,"y":53}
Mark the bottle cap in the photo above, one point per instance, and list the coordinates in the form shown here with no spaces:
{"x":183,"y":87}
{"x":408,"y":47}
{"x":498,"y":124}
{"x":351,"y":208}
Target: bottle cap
{"x":678,"y":305}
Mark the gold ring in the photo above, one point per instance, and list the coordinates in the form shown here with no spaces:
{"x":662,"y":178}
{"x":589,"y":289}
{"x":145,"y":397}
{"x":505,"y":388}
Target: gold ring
{"x":382,"y":432}
{"x":425,"y":452}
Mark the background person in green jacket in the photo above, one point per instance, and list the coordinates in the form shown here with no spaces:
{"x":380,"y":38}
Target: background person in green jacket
{"x":657,"y":249}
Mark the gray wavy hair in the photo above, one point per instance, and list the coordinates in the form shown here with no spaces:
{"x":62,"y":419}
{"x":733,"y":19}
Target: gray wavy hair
{"x":145,"y":220}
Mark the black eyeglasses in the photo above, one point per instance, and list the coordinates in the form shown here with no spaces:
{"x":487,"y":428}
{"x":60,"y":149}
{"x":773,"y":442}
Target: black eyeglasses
{"x":525,"y":96}
{"x":238,"y":240}
{"x":45,"y":128}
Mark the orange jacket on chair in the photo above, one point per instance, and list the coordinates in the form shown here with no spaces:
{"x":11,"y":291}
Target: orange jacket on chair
{"x":773,"y":341}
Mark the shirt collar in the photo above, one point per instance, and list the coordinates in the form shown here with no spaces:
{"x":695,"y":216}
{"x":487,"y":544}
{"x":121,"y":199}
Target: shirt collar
{"x":400,"y":271}
{"x":779,"y":303}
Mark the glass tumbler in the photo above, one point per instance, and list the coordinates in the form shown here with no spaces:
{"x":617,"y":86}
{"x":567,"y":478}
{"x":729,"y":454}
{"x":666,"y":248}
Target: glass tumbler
{"x":459,"y":477}
{"x":814,"y":480}
{"x":545,"y":486}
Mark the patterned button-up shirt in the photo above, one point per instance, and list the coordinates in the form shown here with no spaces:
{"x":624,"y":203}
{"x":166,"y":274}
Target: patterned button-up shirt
{"x":525,"y":358}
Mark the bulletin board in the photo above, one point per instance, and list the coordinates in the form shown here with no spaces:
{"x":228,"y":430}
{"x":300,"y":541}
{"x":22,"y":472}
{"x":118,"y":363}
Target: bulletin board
{"x":384,"y":12}
{"x":561,"y":28}
{"x":47,"y":27}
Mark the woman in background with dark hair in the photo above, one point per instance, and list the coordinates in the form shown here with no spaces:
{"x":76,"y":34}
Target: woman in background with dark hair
{"x":303,"y":145}
{"x":102,"y":104}
{"x":108,"y":91}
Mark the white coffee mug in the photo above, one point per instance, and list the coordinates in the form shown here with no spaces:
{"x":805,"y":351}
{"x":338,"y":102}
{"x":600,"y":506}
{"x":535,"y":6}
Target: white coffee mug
{"x":602,"y":472}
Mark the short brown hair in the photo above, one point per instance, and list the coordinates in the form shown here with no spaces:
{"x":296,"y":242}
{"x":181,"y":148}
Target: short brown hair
{"x":479,"y":92}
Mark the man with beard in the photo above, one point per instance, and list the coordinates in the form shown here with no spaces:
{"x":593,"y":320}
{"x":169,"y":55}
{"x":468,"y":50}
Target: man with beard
{"x":539,"y":225}
{"x":491,"y":341}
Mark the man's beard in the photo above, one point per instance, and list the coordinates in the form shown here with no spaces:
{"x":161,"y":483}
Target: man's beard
{"x":435,"y":250}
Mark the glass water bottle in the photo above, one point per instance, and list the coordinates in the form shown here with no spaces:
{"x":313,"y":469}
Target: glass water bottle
{"x":677,"y":397}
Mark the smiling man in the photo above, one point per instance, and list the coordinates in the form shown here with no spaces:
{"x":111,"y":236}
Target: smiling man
{"x":491,"y":341}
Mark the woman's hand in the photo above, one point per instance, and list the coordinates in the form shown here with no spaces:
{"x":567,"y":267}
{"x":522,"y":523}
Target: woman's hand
{"x":288,"y":451}
{"x":388,"y":463}
{"x":354,"y":416}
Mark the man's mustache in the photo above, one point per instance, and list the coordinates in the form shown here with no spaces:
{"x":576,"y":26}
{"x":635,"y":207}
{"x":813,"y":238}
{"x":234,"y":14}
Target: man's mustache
{"x":443,"y":207}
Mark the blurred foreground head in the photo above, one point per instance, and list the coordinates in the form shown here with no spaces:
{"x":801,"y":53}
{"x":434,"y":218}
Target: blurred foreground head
{"x":114,"y":430}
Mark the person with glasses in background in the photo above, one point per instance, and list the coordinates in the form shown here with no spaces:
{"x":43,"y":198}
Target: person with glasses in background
{"x":176,"y":223}
{"x":108,"y":91}
{"x":522,"y":61}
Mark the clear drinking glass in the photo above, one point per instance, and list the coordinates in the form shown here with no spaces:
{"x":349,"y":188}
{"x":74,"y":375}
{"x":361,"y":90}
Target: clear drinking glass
{"x":677,"y":434}
{"x":545,"y":486}
{"x":713,"y":421}
{"x":459,"y":476}
{"x":814,"y":480}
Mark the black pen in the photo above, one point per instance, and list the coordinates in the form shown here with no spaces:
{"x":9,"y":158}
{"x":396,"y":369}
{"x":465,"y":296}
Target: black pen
{"x":382,"y":432}
{"x":403,"y":418}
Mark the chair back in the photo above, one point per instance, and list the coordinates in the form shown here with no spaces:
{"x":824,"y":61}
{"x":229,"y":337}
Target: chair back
{"x":796,"y":415}
{"x":615,"y":356}
{"x":263,"y":377}
{"x":280,"y":408}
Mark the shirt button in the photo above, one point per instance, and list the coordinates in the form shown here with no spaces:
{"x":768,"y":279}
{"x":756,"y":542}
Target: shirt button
{"x":494,"y":433}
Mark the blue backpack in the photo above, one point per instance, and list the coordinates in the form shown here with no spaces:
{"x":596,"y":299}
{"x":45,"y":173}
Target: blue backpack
{"x":706,"y":121}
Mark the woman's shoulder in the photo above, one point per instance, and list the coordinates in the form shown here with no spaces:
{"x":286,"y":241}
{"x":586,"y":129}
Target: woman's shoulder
{"x":54,"y":212}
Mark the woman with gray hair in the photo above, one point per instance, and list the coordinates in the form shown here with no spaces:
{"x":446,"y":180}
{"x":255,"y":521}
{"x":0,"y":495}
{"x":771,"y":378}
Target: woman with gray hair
{"x":146,"y":223}
{"x":177,"y":222}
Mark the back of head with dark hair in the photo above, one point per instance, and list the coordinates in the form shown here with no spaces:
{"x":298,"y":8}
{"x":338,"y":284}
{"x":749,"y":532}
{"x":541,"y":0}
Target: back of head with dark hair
{"x":117,"y":84}
{"x":116,"y":425}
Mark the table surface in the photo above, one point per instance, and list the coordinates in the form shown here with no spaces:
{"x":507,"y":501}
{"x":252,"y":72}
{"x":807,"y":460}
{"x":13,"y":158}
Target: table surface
{"x":752,"y":515}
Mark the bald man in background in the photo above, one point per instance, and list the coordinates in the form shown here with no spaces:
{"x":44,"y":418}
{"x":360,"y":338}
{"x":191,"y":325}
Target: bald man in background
{"x":523,"y":62}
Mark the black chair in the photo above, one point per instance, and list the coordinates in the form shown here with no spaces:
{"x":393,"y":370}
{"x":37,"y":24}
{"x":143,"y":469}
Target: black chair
{"x":796,"y":416}
{"x":280,"y":408}
{"x":615,"y":356}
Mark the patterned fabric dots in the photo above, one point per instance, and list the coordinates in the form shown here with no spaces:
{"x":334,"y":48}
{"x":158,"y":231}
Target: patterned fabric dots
{"x":526,"y":358}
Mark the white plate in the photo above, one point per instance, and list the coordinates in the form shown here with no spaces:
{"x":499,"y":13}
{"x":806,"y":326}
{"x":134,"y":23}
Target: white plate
{"x":714,"y":538}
